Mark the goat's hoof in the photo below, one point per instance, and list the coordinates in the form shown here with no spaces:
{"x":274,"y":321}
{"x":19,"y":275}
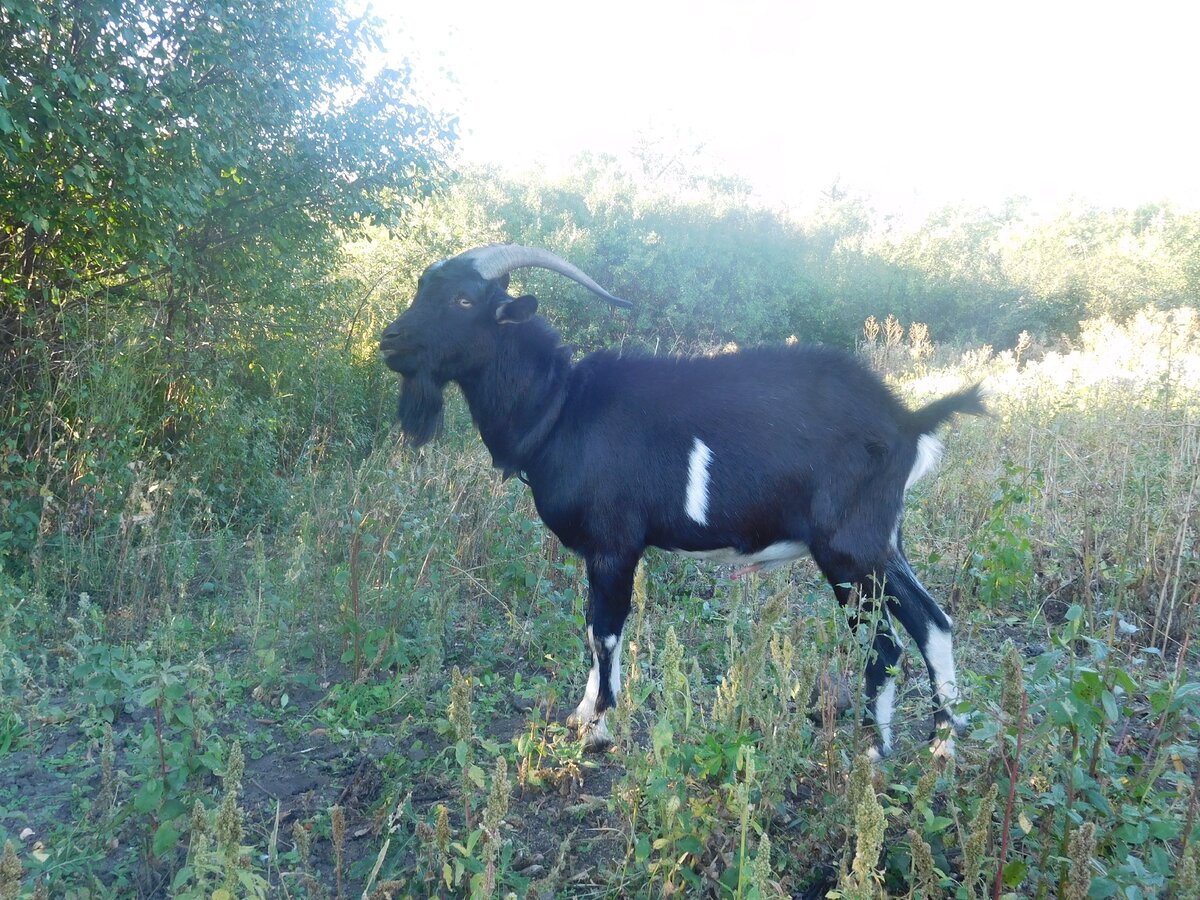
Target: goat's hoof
{"x":596,"y":737}
{"x":877,"y":753}
{"x":942,"y":745}
{"x":582,"y":717}
{"x":593,"y":743}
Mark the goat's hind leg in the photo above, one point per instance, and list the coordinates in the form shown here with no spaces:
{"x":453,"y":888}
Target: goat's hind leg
{"x":879,"y":692}
{"x":930,"y":627}
{"x":610,"y":587}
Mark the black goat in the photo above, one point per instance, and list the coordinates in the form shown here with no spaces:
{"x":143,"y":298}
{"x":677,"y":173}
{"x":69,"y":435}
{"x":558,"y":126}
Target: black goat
{"x":750,"y":458}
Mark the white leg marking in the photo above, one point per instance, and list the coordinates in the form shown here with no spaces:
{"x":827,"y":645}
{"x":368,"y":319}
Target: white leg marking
{"x":613,"y":643}
{"x":939,"y":652}
{"x":586,"y":710}
{"x":696,"y":503}
{"x":885,"y":705}
{"x":929,"y":451}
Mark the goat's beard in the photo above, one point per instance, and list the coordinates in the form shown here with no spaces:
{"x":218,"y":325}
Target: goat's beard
{"x":420,"y":409}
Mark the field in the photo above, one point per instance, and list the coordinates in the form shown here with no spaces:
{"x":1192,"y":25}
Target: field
{"x":252,"y":645}
{"x":368,"y":697}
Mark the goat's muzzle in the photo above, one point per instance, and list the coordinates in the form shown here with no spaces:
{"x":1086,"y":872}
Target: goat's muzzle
{"x":397,"y":361}
{"x":397,"y":353}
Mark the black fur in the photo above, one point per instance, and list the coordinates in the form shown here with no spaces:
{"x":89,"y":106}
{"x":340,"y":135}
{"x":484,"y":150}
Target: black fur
{"x":420,"y":409}
{"x":807,"y":444}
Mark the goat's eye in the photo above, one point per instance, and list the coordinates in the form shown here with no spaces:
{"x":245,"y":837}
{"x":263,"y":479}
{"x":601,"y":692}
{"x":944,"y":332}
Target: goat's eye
{"x":463,"y":302}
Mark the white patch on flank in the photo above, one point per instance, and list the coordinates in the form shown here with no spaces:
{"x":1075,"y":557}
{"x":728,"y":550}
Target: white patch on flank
{"x":929,"y":451}
{"x":697,"y":485}
{"x":939,"y":652}
{"x":885,"y":706}
{"x":769,"y":557}
{"x":610,"y":642}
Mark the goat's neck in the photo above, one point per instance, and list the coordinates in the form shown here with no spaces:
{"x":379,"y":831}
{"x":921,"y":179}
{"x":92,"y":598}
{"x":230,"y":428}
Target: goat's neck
{"x":516,"y":400}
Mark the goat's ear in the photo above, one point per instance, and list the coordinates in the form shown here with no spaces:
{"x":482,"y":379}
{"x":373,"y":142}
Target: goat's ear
{"x":515,"y":312}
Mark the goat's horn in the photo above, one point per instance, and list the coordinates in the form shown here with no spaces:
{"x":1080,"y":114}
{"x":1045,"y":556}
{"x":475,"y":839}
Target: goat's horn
{"x":500,"y":259}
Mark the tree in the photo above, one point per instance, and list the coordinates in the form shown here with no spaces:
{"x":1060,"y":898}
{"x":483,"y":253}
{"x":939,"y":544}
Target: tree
{"x":189,"y":149}
{"x":175,"y":182}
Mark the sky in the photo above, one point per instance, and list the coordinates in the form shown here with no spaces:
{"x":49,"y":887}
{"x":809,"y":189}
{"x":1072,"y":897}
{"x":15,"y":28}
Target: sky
{"x":915,"y":105}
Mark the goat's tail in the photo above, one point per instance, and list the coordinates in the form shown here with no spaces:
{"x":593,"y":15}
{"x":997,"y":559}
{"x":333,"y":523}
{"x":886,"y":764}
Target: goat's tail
{"x":968,"y":401}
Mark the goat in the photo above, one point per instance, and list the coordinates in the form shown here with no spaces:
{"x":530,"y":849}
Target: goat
{"x":751,"y":458}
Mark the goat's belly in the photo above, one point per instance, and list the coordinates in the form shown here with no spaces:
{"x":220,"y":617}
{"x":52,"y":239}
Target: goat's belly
{"x":770,"y":557}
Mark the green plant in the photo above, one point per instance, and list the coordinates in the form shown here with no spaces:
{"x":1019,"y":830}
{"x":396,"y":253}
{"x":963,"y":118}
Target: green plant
{"x":1002,"y":562}
{"x":218,"y":865}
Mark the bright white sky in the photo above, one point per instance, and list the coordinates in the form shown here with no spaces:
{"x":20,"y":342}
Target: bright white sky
{"x":914,"y":104}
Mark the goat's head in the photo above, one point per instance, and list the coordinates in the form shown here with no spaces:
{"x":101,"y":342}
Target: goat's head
{"x":454,"y":326}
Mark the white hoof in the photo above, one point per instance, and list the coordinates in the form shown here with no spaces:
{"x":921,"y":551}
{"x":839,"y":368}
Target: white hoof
{"x":596,"y":736}
{"x":879,"y":753}
{"x":942,"y":747}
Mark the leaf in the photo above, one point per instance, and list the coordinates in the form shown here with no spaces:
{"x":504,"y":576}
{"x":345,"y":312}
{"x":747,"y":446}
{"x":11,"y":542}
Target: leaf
{"x":1164,"y":829}
{"x":165,"y":839}
{"x":641,"y":851}
{"x":1015,"y":872}
{"x":148,"y":796}
{"x":661,"y":736}
{"x":937,"y":824}
{"x":1191,"y":689}
{"x":1109,"y":702}
{"x":173,"y":808}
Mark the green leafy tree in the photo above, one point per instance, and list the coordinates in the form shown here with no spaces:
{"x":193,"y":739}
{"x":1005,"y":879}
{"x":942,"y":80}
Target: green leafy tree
{"x":176,"y":181}
{"x":199,"y":144}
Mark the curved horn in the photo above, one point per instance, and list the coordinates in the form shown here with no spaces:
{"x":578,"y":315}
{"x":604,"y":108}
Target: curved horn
{"x":500,"y":259}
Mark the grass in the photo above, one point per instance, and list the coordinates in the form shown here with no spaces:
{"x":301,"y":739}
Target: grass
{"x":392,"y":658}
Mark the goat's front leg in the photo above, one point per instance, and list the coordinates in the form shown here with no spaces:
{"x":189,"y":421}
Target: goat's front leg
{"x":610,"y":583}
